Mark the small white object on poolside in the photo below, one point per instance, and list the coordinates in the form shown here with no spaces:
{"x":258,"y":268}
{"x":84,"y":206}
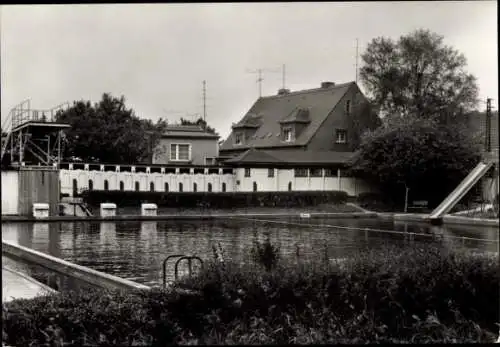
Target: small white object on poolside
{"x":40,"y":210}
{"x":149,"y":209}
{"x":305,"y":215}
{"x":108,"y":209}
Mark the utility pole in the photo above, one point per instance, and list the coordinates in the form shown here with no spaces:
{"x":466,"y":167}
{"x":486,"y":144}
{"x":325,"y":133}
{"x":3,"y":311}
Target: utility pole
{"x":488,"y":125}
{"x":260,"y":78}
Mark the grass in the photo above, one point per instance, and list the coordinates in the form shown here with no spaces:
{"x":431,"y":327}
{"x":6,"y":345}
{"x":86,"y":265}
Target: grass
{"x":396,"y":295}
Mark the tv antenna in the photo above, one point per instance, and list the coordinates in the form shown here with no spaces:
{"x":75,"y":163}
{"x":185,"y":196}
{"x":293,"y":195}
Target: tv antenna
{"x":260,"y":78}
{"x":205,"y":101}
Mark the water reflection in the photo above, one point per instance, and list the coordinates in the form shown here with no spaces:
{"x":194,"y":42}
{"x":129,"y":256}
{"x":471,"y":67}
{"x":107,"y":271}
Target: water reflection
{"x":148,"y":235}
{"x":136,"y":250}
{"x":107,"y":236}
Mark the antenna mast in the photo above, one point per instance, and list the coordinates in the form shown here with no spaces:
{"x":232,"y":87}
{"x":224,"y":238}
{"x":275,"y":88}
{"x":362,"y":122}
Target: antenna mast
{"x":205,"y":102}
{"x":260,"y":78}
{"x":284,"y":75}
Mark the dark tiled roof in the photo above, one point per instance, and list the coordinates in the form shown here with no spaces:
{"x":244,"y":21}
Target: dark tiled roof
{"x":272,"y":109}
{"x":187,"y":131}
{"x":259,"y":156}
{"x":299,"y":115}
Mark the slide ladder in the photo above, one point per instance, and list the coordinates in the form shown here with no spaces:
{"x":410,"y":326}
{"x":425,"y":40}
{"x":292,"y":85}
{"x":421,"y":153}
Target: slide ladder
{"x":468,"y":182}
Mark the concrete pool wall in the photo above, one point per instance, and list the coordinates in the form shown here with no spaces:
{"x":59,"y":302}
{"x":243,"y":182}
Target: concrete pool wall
{"x":82,"y":273}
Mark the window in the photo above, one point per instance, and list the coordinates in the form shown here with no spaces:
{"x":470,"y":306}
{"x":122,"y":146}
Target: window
{"x":180,"y":187}
{"x":348,"y":107}
{"x":91,"y":185}
{"x":106,"y":185}
{"x":289,"y":186}
{"x":287,"y":134}
{"x":180,"y":152}
{"x":195,"y":187}
{"x":166,"y":187}
{"x":137,"y":186}
{"x":315,"y":172}
{"x":224,"y":187}
{"x":254,"y":186}
{"x":209,"y":187}
{"x":247,"y":172}
{"x":209,"y":161}
{"x":270,"y":172}
{"x":341,"y":136}
{"x":151,"y":186}
{"x":238,"y":139}
{"x":330,"y":173}
{"x":300,"y":172}
{"x":122,"y":186}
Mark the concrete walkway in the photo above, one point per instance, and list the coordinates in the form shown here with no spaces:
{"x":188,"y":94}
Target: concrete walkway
{"x":16,"y":285}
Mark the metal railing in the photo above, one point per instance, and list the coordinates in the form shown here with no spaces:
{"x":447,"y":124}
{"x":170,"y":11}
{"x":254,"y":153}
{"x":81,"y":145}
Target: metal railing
{"x":180,"y":257}
{"x":21,"y":115}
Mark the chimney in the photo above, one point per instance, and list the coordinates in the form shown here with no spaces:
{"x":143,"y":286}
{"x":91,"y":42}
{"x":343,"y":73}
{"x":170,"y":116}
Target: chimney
{"x":327,"y":84}
{"x":283,"y":91}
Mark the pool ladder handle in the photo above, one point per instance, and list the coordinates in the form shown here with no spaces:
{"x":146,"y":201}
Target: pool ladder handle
{"x":176,"y":269}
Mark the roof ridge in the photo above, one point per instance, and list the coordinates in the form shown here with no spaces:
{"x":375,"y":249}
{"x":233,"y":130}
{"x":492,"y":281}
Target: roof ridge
{"x":305,"y":91}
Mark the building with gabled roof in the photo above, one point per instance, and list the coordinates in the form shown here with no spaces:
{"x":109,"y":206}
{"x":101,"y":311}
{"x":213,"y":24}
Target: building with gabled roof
{"x":300,"y":140}
{"x":326,"y":119}
{"x":186,"y":144}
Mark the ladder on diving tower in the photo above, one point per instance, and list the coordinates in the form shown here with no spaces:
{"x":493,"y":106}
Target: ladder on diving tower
{"x":32,"y":137}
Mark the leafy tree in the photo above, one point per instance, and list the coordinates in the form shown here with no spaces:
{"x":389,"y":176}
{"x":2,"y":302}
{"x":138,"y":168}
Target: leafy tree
{"x":199,"y":122}
{"x":428,"y":158}
{"x":108,"y":132}
{"x":420,"y":75}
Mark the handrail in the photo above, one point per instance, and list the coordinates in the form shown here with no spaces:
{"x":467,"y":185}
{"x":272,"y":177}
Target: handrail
{"x":176,"y":268}
{"x":189,"y":259}
{"x":165,"y":267}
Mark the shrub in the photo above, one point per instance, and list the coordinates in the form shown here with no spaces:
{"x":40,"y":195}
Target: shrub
{"x":376,"y":202}
{"x":265,"y":253}
{"x":215,"y":200}
{"x":424,"y":294}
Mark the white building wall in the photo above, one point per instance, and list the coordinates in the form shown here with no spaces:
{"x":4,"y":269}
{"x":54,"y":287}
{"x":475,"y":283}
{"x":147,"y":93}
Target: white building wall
{"x":10,"y":192}
{"x":280,"y":181}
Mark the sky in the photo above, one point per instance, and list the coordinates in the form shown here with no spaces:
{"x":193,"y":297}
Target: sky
{"x":158,"y":55}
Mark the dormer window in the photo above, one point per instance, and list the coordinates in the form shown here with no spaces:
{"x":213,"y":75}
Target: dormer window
{"x":238,"y":139}
{"x":287,"y":134}
{"x":348,"y":107}
{"x":341,"y":136}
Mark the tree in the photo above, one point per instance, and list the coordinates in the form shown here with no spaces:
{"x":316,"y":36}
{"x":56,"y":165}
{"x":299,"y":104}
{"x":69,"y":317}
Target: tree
{"x":108,"y":132}
{"x":199,"y":122}
{"x":418,"y":75}
{"x":428,"y":158}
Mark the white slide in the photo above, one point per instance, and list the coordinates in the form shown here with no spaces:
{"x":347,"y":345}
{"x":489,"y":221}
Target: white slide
{"x":468,"y":182}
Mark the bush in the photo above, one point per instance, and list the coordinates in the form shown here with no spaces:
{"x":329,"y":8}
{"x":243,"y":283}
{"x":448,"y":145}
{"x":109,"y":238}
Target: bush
{"x":266,"y":254}
{"x":221,"y":200}
{"x":376,"y":202}
{"x":418,"y":295}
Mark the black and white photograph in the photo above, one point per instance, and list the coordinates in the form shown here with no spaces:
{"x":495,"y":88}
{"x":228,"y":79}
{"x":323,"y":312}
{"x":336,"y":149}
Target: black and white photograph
{"x":250,"y":173}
